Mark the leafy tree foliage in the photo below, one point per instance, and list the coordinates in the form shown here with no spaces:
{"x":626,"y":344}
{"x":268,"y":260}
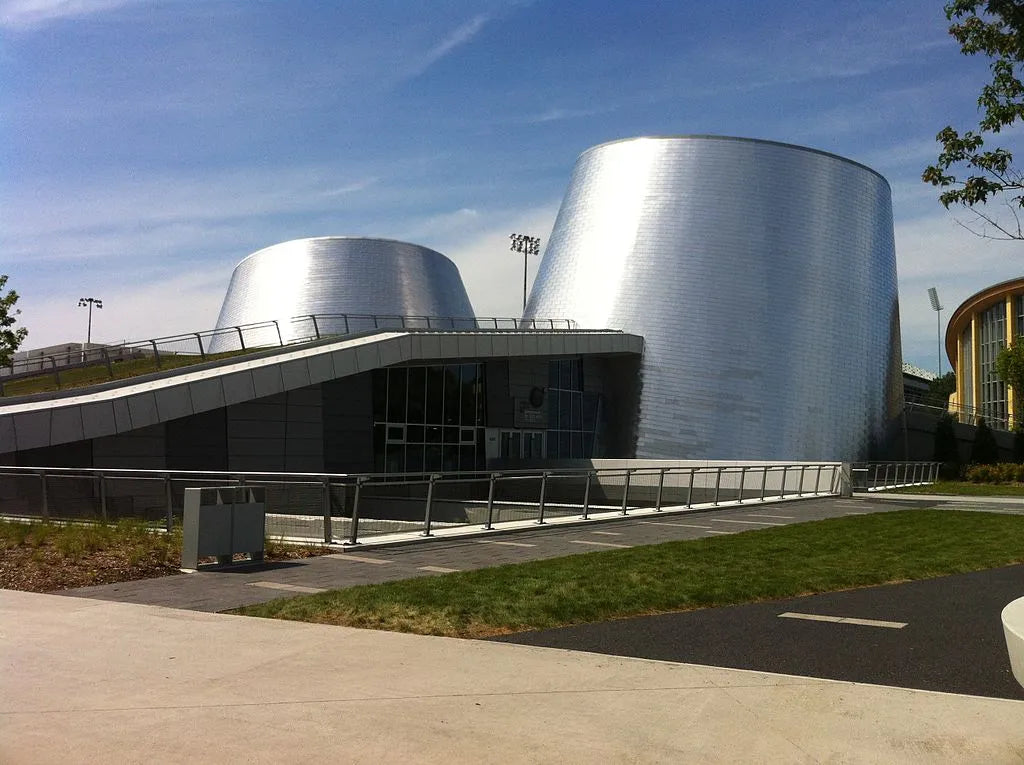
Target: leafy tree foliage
{"x":1009,"y":368}
{"x":985,"y":450}
{"x":946,"y":450}
{"x":939,"y":390}
{"x":10,"y":338}
{"x":993,"y":28}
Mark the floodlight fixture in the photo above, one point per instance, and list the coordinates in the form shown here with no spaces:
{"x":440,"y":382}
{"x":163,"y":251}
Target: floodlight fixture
{"x":933,"y":297}
{"x":528,"y":245}
{"x":90,"y":303}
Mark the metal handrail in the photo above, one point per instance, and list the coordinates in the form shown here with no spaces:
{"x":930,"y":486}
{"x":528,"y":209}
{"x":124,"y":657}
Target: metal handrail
{"x":623,"y":487}
{"x":967,"y":415}
{"x":300,"y":329}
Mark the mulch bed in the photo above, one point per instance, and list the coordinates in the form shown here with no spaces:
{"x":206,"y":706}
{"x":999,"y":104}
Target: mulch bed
{"x":46,"y":569}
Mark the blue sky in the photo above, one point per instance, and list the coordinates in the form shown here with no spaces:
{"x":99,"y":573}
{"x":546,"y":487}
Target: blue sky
{"x":146,"y":147}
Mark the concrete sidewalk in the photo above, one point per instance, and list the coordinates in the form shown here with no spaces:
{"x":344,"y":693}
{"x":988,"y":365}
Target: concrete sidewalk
{"x":96,"y":681}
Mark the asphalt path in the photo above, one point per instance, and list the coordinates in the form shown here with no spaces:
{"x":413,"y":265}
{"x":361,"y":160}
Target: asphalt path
{"x":953,"y":639}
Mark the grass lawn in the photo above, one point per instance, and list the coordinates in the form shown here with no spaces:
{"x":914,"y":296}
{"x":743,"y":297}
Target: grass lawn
{"x":821,"y":556}
{"x":83,"y":377}
{"x":43,"y":557}
{"x":966,"y":488}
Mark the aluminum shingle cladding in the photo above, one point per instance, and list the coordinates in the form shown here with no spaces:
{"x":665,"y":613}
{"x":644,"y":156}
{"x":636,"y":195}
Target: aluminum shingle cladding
{"x":336,"y":275}
{"x":763,"y":279}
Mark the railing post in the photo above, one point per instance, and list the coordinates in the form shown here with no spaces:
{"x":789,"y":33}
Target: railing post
{"x":280,"y":338}
{"x":689,"y":491}
{"x":625,"y":493}
{"x":56,"y":371}
{"x":782,"y":486}
{"x":345,"y":317}
{"x":430,"y":501}
{"x":170,"y":502}
{"x":764,"y":480}
{"x":241,"y":338}
{"x":103,"y":498}
{"x":586,"y":495}
{"x":800,"y":487}
{"x":325,"y":505}
{"x":316,"y":327}
{"x":661,"y":488}
{"x":354,"y":536}
{"x":46,"y":499}
{"x":540,"y":504}
{"x":375,"y":326}
{"x":156,"y":353}
{"x":817,"y":480}
{"x":743,"y":476}
{"x":490,"y":500}
{"x":106,"y":361}
{"x":718,"y":482}
{"x":199,"y":339}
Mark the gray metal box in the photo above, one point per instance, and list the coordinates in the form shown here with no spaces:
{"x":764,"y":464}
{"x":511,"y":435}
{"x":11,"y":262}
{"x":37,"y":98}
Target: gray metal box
{"x":221,"y":521}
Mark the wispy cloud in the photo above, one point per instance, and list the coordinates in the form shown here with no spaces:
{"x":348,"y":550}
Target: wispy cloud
{"x":556,"y":114}
{"x":23,"y":14}
{"x":458,"y":36}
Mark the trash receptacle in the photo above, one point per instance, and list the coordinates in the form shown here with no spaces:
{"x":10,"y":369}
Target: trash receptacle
{"x":221,"y":521}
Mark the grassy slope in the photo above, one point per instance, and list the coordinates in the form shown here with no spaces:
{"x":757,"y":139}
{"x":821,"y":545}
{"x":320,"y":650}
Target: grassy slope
{"x":967,"y":489}
{"x":793,"y":560}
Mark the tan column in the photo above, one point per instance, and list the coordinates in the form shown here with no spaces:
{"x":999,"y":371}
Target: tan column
{"x":975,"y":362}
{"x":1007,"y":339}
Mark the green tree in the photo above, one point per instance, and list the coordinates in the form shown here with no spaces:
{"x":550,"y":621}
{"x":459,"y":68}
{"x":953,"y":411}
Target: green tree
{"x":970,"y":173}
{"x":939,"y":390}
{"x":946,"y":450}
{"x":1009,"y":368}
{"x":10,"y":338}
{"x":985,"y":450}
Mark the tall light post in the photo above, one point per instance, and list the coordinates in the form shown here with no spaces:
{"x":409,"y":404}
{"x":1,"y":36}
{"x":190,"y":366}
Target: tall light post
{"x":89,"y":302}
{"x":933,"y":296}
{"x":528,"y":245}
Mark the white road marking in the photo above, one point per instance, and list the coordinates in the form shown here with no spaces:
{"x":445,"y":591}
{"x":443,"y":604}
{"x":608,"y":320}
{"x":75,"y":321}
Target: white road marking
{"x":844,"y":620}
{"x":752,"y":523}
{"x":506,"y":544}
{"x":358,"y":559}
{"x":780,"y":517}
{"x":854,"y":513}
{"x":608,"y":533}
{"x":599,"y":544}
{"x":288,"y":587}
{"x":438,"y":569}
{"x":677,"y":525}
{"x":721,"y":532}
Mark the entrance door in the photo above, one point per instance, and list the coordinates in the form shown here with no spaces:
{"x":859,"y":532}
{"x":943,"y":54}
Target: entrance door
{"x":522,"y":444}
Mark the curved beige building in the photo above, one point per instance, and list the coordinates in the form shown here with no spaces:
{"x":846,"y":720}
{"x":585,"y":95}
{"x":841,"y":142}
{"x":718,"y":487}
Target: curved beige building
{"x":979,"y":328}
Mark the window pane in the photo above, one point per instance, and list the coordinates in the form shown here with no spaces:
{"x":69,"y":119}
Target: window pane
{"x":435,"y":395}
{"x":452,"y":394}
{"x":432,"y":458}
{"x":379,"y":383}
{"x":576,"y":445}
{"x":414,"y":458}
{"x":396,"y":394}
{"x":417,"y":386}
{"x":395,"y":458}
{"x":588,"y":445}
{"x":414,"y":434}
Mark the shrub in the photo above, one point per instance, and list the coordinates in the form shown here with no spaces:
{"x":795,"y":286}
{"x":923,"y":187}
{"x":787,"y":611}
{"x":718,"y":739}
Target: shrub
{"x":946,"y":450}
{"x":1003,"y":472}
{"x":1018,"y":444}
{"x":984,"y":451}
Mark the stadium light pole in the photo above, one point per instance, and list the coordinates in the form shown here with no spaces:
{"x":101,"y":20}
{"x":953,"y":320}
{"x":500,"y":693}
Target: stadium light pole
{"x":528,"y":245}
{"x":933,"y":296}
{"x":89,"y":302}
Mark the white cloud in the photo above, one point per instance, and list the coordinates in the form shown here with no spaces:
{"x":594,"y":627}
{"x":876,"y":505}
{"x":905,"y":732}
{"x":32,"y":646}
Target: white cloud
{"x":458,"y":36}
{"x":935,"y":252}
{"x":165,"y":304}
{"x":20,"y":14}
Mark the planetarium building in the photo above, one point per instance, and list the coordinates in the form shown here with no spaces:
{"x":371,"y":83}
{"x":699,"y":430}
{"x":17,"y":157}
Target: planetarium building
{"x":344,"y":281}
{"x":716,"y":299}
{"x":762,"y":277}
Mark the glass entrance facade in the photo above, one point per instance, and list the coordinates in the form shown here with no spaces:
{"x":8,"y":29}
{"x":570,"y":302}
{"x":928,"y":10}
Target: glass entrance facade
{"x":428,"y":418}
